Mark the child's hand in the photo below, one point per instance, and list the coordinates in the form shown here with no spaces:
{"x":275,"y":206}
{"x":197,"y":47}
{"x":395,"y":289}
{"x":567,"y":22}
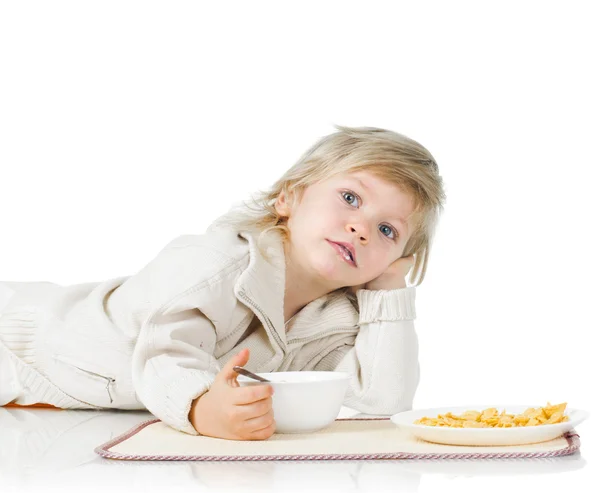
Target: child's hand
{"x":233,"y":412}
{"x":392,"y":278}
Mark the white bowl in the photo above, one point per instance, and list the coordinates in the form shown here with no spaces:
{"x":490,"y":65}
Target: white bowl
{"x":304,"y":401}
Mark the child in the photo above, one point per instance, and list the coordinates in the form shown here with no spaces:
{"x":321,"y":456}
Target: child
{"x":310,"y":278}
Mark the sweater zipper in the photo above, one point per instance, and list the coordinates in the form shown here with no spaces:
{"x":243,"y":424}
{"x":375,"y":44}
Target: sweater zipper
{"x":297,"y":340}
{"x":266,"y":319}
{"x":109,"y":380}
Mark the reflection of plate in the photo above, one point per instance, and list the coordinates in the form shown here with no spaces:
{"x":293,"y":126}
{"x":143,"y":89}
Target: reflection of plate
{"x":485,"y":436}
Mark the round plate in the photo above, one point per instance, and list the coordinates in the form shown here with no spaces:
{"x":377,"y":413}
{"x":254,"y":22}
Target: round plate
{"x":485,"y":436}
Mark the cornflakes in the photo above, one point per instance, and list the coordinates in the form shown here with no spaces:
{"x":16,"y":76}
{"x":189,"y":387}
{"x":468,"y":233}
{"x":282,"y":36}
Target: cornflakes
{"x":491,"y":418}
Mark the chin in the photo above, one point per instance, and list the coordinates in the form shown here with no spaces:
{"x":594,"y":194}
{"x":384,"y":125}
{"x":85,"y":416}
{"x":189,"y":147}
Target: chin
{"x":329,"y":270}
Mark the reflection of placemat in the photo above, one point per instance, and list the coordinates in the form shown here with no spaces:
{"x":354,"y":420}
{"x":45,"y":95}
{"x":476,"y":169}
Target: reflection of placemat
{"x":345,"y":439}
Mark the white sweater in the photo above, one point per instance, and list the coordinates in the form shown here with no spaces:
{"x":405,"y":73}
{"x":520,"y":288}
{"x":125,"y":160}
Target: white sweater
{"x":156,"y":339}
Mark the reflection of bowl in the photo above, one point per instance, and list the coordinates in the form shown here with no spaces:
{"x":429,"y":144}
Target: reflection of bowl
{"x":304,"y":401}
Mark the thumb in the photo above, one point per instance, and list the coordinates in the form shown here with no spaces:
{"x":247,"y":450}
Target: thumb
{"x":240,"y":359}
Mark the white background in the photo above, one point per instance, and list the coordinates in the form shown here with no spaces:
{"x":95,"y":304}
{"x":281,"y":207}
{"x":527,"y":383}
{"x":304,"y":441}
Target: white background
{"x":125,"y":124}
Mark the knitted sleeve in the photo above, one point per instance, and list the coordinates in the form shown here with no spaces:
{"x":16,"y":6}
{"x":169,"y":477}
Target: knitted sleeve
{"x":168,"y":306}
{"x":383,"y":363}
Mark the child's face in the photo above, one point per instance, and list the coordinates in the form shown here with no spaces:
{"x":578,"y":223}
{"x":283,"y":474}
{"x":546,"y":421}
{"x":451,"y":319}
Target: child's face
{"x":369,"y":216}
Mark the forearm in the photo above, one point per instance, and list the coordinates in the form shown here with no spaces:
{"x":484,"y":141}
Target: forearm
{"x":173,"y":364}
{"x":170,"y":394}
{"x":384,"y":368}
{"x":383,"y":363}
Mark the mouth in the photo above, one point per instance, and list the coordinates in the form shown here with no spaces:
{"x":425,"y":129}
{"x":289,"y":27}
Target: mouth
{"x":344,"y":252}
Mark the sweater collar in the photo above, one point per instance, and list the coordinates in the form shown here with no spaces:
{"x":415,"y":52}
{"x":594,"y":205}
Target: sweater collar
{"x":261,"y":286}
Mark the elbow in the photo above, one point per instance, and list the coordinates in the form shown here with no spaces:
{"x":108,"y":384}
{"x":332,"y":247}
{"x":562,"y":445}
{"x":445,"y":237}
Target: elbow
{"x":387,"y":399}
{"x":384,"y":401}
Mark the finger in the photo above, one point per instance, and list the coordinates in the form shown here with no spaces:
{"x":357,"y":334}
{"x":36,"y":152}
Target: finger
{"x":255,"y":409}
{"x":402,"y":264}
{"x":252,"y":393}
{"x":260,"y":422}
{"x":409,"y":263}
{"x":264,"y":433}
{"x":227,"y":374}
{"x":407,"y":260}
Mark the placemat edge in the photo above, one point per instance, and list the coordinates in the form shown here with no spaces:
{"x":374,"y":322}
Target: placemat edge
{"x":573,"y":444}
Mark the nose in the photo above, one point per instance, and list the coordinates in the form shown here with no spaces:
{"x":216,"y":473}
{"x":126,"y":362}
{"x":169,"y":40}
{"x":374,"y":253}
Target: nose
{"x":359,"y":229}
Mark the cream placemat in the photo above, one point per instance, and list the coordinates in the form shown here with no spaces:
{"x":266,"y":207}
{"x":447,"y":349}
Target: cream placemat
{"x":347,"y":439}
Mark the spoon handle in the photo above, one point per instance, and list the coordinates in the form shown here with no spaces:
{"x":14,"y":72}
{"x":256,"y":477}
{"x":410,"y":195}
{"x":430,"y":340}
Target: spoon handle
{"x":243,"y":371}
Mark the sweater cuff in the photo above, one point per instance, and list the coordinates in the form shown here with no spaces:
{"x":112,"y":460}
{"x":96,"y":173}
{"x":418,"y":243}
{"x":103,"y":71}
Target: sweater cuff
{"x":386,"y":305}
{"x":179,"y":396}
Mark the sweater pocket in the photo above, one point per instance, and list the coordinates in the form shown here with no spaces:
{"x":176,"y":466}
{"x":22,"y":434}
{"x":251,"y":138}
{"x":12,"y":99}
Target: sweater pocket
{"x":90,"y":386}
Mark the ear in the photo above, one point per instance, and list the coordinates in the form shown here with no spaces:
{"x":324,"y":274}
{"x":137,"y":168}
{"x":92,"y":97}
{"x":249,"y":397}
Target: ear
{"x":281,"y":205}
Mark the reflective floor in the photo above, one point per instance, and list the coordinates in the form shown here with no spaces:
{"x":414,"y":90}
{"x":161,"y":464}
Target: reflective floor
{"x":51,"y":450}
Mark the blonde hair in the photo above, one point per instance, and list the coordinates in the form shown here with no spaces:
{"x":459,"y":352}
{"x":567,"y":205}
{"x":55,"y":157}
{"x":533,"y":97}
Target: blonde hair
{"x":391,"y":156}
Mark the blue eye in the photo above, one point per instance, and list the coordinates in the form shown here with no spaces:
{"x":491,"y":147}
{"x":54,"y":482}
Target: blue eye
{"x":345,"y":194}
{"x":355,"y":197}
{"x":391,"y":230}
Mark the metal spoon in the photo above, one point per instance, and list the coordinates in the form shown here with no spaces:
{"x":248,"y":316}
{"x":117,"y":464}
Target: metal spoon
{"x":243,"y":371}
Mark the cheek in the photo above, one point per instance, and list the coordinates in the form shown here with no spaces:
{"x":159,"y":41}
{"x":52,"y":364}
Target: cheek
{"x":322,"y":212}
{"x":375,"y":263}
{"x":306,"y":224}
{"x":381,"y":260}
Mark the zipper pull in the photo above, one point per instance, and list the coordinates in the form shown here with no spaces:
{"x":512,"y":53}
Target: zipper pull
{"x":108,"y":382}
